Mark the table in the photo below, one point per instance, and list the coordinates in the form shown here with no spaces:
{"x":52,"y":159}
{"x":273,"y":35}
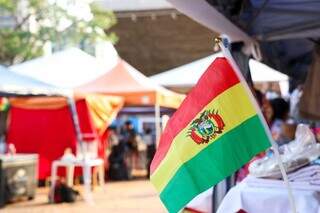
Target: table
{"x":265,"y":196}
{"x":86,"y":165}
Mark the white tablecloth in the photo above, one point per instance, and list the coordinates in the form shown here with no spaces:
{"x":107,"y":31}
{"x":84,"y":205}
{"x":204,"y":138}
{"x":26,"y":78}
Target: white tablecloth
{"x":265,"y":196}
{"x":203,"y":202}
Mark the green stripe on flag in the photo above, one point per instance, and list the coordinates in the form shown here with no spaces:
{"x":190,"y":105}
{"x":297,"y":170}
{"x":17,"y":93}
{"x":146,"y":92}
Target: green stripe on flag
{"x":218,"y":161}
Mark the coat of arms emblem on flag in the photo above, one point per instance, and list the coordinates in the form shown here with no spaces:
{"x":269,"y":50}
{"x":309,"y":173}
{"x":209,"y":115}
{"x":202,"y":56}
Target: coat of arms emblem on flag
{"x":206,"y":127}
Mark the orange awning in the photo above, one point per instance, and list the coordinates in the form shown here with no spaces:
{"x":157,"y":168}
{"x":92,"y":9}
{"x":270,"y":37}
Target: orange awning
{"x":137,"y":89}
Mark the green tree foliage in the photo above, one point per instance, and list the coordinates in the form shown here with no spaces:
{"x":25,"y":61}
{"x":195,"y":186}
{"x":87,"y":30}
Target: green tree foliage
{"x":27,"y":25}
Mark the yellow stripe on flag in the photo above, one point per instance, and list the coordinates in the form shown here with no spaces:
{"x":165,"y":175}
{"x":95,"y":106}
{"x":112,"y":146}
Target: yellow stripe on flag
{"x":233,"y":105}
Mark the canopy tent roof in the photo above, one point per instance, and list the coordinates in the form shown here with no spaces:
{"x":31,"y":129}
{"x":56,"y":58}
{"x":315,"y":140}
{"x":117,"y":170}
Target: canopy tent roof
{"x":137,"y":89}
{"x":67,"y":69}
{"x":83,"y":73}
{"x":286,"y":30}
{"x":14,"y":84}
{"x":192,"y":72}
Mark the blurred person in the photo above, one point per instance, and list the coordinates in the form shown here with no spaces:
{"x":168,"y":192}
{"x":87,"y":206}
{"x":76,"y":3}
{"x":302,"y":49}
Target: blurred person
{"x":113,"y":140}
{"x":150,"y":141}
{"x":117,"y":149}
{"x":264,"y":105}
{"x":280,"y":109}
{"x":294,"y":102}
{"x":118,"y":167}
{"x":142,"y":152}
{"x":129,"y":137}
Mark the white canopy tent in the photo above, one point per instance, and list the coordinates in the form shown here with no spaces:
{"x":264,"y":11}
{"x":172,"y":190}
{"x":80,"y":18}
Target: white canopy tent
{"x":69,"y":68}
{"x":192,"y":72}
{"x":14,"y":84}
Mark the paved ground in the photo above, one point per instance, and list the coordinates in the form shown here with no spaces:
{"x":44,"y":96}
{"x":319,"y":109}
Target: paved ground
{"x":116,"y":197}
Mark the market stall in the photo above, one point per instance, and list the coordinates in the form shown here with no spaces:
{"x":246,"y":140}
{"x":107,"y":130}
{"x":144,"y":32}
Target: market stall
{"x":283,"y":35}
{"x":48,"y":122}
{"x":45,"y":126}
{"x":12,"y":165}
{"x":90,"y":113}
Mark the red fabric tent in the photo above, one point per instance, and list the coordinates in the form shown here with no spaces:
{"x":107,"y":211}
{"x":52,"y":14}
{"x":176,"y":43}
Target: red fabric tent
{"x":45,"y":126}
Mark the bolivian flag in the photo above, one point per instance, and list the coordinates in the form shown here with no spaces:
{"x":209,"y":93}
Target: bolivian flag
{"x":215,"y":131}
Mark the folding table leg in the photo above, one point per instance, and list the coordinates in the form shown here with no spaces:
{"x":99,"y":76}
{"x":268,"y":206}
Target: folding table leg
{"x":70,"y":175}
{"x":101,"y":174}
{"x":53,"y":182}
{"x":87,"y":183}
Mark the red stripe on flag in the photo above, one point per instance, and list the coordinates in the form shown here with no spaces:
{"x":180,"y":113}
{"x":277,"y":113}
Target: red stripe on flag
{"x":218,"y":77}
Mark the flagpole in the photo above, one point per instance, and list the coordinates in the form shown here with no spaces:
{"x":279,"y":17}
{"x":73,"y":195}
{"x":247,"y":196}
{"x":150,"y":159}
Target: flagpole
{"x":224,"y":43}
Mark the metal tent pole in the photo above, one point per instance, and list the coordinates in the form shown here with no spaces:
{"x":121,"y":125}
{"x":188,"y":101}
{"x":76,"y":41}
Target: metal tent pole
{"x":157,"y":122}
{"x":76,"y":122}
{"x":86,"y":168}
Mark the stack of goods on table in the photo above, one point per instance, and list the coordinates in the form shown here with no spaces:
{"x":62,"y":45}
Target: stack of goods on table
{"x":309,"y":174}
{"x":299,"y":157}
{"x":264,"y":191}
